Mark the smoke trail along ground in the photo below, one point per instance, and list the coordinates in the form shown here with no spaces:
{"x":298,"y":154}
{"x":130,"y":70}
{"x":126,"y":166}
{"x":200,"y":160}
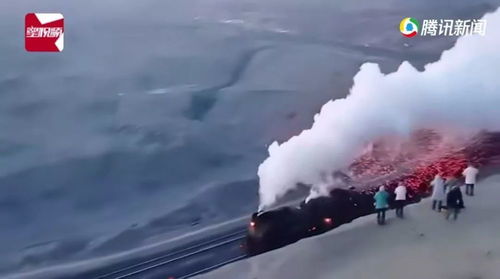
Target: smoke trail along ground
{"x":459,"y":92}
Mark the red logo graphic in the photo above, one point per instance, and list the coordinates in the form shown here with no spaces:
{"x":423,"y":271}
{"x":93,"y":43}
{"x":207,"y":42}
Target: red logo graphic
{"x":44,"y":32}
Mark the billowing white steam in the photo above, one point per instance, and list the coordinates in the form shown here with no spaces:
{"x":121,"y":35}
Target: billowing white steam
{"x":460,"y":91}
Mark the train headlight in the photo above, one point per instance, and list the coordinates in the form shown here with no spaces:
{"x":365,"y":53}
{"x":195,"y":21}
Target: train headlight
{"x":328,"y":221}
{"x":252,"y":224}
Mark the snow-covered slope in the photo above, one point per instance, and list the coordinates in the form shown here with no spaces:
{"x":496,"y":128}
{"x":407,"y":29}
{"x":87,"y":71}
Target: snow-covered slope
{"x":424,"y":245}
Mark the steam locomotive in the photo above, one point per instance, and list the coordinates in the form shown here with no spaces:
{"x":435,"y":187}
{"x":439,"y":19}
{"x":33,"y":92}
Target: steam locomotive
{"x":277,"y":228}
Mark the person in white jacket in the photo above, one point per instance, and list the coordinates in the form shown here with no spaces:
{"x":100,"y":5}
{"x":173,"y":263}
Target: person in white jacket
{"x":470,"y":174}
{"x":438,"y":193}
{"x":400,"y":201}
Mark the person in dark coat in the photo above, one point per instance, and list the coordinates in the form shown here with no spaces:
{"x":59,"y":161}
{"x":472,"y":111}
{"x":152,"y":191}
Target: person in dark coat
{"x":454,"y":202}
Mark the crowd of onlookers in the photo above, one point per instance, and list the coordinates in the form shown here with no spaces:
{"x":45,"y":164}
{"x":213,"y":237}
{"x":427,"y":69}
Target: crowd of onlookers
{"x":446,"y":195}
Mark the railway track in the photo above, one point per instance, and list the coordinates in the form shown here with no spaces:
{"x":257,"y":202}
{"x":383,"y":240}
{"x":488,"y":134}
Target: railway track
{"x":188,"y":261}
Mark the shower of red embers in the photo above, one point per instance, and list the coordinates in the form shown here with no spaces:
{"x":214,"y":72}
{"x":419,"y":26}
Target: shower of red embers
{"x":419,"y":160}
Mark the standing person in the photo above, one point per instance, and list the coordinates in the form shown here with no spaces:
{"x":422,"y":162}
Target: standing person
{"x":438,"y":193}
{"x":381,"y":204}
{"x":454,"y":202}
{"x":470,"y":174}
{"x":400,"y":192}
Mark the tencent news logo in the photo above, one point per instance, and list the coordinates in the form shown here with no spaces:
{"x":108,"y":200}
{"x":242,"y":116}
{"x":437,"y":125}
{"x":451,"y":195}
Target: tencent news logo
{"x":410,"y":27}
{"x":44,"y":32}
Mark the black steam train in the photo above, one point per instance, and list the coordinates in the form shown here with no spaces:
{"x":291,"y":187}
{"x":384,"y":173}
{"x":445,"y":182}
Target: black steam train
{"x":273,"y":229}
